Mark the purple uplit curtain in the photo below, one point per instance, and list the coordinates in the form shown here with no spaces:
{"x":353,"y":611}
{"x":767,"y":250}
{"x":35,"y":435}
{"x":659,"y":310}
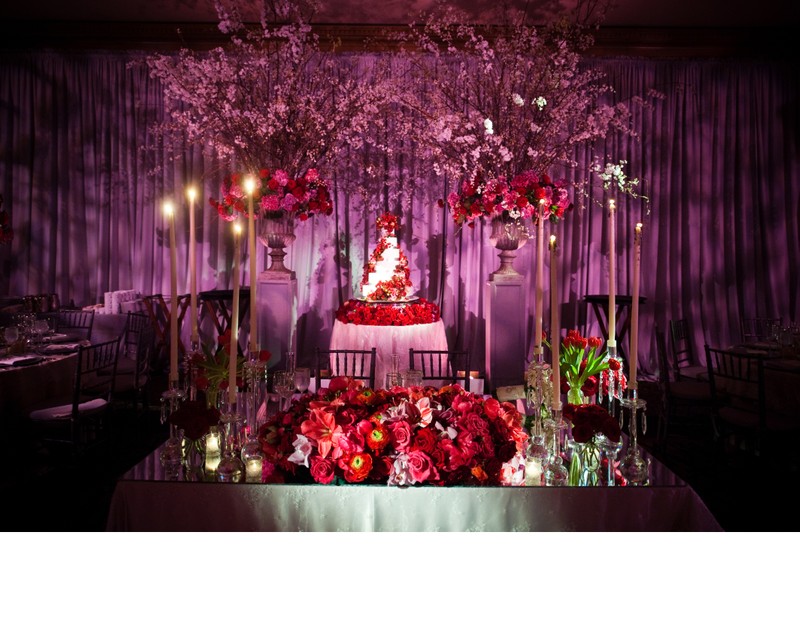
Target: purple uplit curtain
{"x":718,"y":158}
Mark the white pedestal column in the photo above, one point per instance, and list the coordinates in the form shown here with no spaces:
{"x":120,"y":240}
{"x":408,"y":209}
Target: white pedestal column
{"x":277,"y":314}
{"x":505,"y":303}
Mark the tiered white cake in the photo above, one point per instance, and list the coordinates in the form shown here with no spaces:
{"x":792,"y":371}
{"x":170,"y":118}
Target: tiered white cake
{"x":386,"y":275}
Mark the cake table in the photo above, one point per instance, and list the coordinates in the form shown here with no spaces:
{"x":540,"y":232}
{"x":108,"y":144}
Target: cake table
{"x":388,"y":340}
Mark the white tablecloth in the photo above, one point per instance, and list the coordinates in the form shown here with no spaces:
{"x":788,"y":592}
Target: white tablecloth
{"x":388,"y":340}
{"x":142,"y":501}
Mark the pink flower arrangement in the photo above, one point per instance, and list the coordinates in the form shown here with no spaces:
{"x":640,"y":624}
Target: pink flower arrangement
{"x":400,"y":314}
{"x":276,"y":193}
{"x":528,"y":195}
{"x":348,"y":434}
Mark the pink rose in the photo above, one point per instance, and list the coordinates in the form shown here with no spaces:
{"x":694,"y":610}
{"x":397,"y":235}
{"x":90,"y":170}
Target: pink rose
{"x":322,"y":470}
{"x":420,"y":467}
{"x":401,"y":435}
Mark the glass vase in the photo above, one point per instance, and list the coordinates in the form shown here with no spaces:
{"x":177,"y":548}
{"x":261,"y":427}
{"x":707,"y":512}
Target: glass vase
{"x":231,"y":468}
{"x":194,"y":459}
{"x":585,"y":467}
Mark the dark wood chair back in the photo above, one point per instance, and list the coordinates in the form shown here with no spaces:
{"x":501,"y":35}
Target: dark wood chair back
{"x":447,"y":366}
{"x":357,"y":364}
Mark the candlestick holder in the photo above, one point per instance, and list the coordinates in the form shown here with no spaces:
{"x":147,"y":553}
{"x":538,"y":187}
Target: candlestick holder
{"x":231,"y":468}
{"x":190,"y":369}
{"x":172,"y":452}
{"x":555,"y":474}
{"x":252,"y":456}
{"x":539,"y":389}
{"x":634,"y":467}
{"x":615,"y":382}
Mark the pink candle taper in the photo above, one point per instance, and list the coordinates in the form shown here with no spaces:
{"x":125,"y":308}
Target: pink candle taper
{"x":250,"y":186}
{"x":555,"y":334}
{"x":169,"y":211}
{"x":192,"y":194}
{"x":612,"y":274}
{"x":637,"y":261}
{"x":234,"y":348}
{"x":539,"y":276}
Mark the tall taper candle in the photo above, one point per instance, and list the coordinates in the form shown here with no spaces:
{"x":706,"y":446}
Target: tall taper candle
{"x":539,"y":276}
{"x":169,"y":210}
{"x":233,"y":351}
{"x":612,"y":273}
{"x":191,"y":192}
{"x":637,"y":262}
{"x":250,"y":187}
{"x":555,"y":334}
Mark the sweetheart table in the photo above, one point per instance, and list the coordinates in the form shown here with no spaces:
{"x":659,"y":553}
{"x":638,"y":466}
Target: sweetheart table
{"x":144,"y":501}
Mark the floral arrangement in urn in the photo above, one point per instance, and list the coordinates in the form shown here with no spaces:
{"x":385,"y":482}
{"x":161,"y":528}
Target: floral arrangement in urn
{"x":348,"y":434}
{"x":275,"y":194}
{"x":272,"y":94}
{"x":515,"y":97}
{"x":526,"y":196}
{"x":400,"y":314}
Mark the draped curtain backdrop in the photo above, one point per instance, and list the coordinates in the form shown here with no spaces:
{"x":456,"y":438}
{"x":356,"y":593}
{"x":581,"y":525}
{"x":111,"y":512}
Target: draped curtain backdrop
{"x":718,"y":158}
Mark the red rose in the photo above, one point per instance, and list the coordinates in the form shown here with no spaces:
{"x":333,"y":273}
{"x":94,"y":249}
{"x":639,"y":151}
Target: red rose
{"x":322,"y":470}
{"x":613,"y":364}
{"x":425,"y":440}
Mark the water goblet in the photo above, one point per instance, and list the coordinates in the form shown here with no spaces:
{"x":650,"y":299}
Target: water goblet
{"x":11,"y":334}
{"x":283,"y":385}
{"x":41,"y":327}
{"x":302,"y":379}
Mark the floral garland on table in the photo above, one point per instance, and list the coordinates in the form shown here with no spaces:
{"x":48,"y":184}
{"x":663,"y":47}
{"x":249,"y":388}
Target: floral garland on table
{"x":400,"y":437}
{"x":401,"y":314}
{"x":275,"y":194}
{"x":528,"y":195}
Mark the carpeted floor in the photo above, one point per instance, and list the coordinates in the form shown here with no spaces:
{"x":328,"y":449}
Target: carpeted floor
{"x":46,"y":493}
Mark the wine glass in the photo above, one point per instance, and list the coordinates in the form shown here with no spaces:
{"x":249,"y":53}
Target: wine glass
{"x":302,"y":379}
{"x":283,"y":385}
{"x":41,"y":327}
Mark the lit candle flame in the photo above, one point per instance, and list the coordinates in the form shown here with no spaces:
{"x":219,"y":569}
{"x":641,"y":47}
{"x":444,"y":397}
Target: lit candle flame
{"x":612,"y":205}
{"x":249,"y":185}
{"x":191,"y":192}
{"x":169,"y":209}
{"x":237,"y":228}
{"x":552,"y":242}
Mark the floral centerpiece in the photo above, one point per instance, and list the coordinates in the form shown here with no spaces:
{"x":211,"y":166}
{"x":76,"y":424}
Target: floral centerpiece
{"x":275,"y":194}
{"x":376,"y":314}
{"x":592,"y":427}
{"x":349,"y":434}
{"x":581,"y":360}
{"x":211,"y":368}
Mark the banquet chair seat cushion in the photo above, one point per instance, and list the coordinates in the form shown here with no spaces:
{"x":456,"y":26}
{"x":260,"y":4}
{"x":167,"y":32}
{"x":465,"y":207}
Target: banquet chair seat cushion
{"x":126,"y":365}
{"x":64,"y":412}
{"x":690,"y":390}
{"x":694,"y":372}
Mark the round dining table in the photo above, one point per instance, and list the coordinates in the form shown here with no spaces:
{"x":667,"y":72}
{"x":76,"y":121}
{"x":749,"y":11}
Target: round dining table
{"x":29,"y":378}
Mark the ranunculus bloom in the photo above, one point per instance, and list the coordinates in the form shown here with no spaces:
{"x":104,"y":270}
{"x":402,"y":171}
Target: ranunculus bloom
{"x":357,"y":467}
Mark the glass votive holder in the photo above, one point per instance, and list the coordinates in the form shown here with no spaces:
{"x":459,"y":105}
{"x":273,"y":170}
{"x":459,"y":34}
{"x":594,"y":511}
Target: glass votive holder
{"x":412,"y":378}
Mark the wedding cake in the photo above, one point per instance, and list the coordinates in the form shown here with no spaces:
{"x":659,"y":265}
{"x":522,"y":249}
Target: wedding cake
{"x":386,"y":275}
